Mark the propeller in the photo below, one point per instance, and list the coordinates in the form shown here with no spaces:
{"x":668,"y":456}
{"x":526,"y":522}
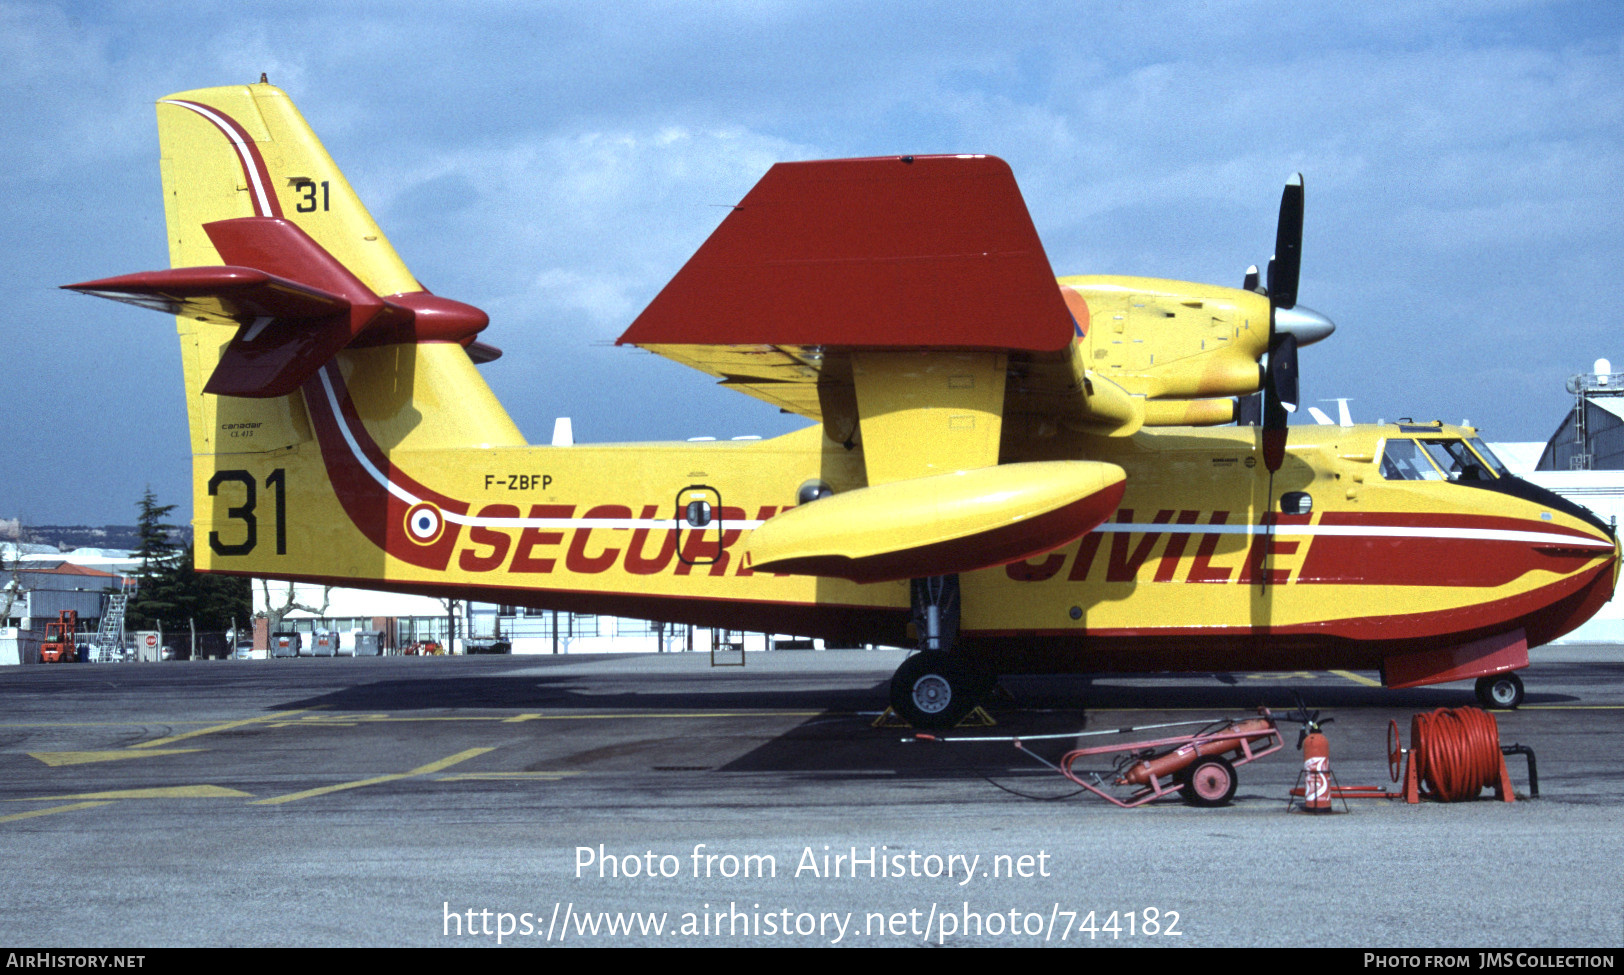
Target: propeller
{"x":1288,"y":327}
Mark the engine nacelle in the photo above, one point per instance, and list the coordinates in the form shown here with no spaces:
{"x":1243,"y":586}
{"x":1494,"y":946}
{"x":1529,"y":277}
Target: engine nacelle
{"x":1171,"y":340}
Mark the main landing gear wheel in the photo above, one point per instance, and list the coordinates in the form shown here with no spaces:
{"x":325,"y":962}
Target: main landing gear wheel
{"x":932,"y":690}
{"x":1210,"y":782}
{"x":1501,"y":691}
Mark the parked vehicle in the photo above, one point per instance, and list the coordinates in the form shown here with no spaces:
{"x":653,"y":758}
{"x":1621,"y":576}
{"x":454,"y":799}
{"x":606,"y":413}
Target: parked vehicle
{"x":60,"y":639}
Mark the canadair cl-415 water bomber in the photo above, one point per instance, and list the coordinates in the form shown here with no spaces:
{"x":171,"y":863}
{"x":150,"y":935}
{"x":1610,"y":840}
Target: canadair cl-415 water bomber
{"x":1013,"y":472}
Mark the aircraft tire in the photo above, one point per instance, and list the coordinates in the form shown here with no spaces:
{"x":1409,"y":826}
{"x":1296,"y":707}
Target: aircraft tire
{"x":1209,"y":782}
{"x":932,"y":690}
{"x":1503,"y":692}
{"x":979,"y":681}
{"x":985,"y":682}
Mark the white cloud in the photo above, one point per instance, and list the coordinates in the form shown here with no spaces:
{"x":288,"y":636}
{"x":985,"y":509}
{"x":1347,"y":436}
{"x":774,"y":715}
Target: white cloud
{"x":592,"y":221}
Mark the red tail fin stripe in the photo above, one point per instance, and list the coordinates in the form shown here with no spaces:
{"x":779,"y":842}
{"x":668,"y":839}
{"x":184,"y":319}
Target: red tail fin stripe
{"x":253,"y":164}
{"x":366,"y":453}
{"x":363,"y":456}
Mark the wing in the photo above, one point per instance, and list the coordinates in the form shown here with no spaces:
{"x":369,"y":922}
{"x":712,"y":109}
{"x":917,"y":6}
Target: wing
{"x":907,"y":303}
{"x":937,"y":254}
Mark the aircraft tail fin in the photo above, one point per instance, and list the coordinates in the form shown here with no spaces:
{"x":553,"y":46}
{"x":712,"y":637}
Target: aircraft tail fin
{"x":245,"y":151}
{"x":288,"y":256}
{"x":277,"y":268}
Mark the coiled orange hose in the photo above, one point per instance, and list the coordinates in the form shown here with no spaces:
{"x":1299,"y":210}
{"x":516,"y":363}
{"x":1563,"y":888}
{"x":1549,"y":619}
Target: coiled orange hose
{"x":1457,"y":752}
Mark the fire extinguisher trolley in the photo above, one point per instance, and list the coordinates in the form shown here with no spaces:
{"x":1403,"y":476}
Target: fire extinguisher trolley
{"x":1199,"y":767}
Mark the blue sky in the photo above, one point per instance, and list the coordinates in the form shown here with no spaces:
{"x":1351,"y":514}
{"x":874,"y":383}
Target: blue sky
{"x":555,"y":164}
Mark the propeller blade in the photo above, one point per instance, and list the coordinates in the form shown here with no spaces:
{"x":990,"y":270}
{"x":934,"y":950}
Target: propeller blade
{"x":1286,"y":266}
{"x":1279,"y":399}
{"x":1274,"y":431}
{"x":1283,"y":371}
{"x":1249,"y":283}
{"x":1249,"y":409}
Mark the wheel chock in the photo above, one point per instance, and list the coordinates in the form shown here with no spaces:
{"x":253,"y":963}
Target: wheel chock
{"x":889,"y":718}
{"x":977,"y":718}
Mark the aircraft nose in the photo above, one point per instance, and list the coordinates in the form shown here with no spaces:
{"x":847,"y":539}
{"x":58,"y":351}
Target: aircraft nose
{"x":1307,"y":324}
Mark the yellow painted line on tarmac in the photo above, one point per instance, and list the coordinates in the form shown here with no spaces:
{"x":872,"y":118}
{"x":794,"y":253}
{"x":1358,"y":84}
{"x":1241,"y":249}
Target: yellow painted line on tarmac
{"x":449,"y":761}
{"x":1357,"y":679}
{"x":506,"y":776}
{"x":680,"y":714}
{"x":315,"y":721}
{"x":152,"y":749}
{"x":350,"y":721}
{"x":428,"y":769}
{"x":324,"y":790}
{"x":261,"y":719}
{"x":161,"y":792}
{"x":51,"y":811}
{"x":55,"y":759}
{"x":449,"y":717}
{"x":91,"y":724}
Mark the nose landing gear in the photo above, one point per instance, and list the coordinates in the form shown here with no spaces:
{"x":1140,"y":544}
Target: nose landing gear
{"x":1500,"y":691}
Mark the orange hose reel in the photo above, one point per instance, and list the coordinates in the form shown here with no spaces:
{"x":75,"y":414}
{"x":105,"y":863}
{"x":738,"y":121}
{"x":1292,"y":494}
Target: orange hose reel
{"x":1454,"y":755}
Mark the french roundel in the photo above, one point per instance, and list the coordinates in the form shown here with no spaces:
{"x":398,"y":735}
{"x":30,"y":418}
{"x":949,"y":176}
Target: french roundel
{"x":424,"y":523}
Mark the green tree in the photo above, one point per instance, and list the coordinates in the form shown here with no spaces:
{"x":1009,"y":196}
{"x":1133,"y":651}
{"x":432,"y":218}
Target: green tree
{"x":172,"y":595}
{"x":157,"y":597}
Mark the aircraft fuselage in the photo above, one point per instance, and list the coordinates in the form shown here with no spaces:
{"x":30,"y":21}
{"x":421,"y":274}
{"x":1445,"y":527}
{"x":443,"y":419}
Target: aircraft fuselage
{"x":1199,"y":569}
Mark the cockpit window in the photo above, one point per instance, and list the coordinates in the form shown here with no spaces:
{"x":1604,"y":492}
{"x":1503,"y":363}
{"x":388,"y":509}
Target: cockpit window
{"x":1456,"y":461}
{"x":1494,"y":463}
{"x":1404,"y":460}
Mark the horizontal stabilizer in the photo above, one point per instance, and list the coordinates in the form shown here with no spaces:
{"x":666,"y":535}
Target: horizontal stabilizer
{"x":282,"y":248}
{"x":277,"y":359}
{"x":942,"y":524}
{"x":288,"y":329}
{"x":295,"y":304}
{"x":894,"y":252}
{"x":482,"y":353}
{"x":236,"y":294}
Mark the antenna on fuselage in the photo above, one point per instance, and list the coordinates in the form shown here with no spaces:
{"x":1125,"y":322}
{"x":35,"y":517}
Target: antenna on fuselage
{"x":1344,"y":417}
{"x":563,"y":432}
